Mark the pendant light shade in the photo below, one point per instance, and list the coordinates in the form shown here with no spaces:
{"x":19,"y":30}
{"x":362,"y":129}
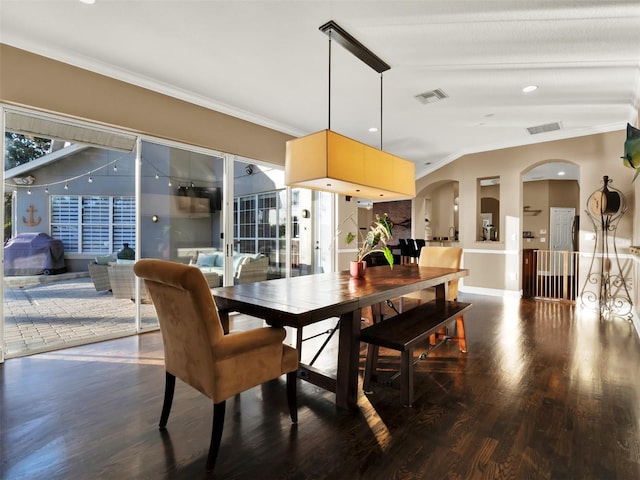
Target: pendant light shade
{"x":331,"y":162}
{"x":334,"y":163}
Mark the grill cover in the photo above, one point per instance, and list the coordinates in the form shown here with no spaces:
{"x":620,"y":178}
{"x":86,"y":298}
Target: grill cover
{"x":33,"y":253}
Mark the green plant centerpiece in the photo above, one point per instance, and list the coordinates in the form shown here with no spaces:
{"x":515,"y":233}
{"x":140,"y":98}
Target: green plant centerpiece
{"x":374,"y":241}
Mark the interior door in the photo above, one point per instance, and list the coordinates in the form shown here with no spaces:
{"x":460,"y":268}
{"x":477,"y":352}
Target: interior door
{"x":560,"y":230}
{"x":561,"y":237}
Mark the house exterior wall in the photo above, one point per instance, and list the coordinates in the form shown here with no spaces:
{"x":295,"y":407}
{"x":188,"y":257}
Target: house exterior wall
{"x":32,"y":210}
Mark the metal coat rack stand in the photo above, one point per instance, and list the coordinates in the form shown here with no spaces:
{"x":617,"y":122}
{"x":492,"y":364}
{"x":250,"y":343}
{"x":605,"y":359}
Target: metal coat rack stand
{"x":605,"y":289}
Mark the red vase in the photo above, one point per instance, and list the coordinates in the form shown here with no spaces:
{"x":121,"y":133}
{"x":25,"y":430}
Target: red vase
{"x":356,"y":269}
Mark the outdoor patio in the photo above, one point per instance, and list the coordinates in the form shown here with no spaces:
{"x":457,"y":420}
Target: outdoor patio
{"x":56,"y":311}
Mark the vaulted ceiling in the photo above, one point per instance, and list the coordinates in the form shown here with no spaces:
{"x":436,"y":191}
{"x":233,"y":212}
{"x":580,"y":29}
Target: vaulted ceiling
{"x":268,"y":62}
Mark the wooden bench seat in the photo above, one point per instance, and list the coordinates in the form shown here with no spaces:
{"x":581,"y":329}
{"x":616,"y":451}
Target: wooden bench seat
{"x":408,"y":330}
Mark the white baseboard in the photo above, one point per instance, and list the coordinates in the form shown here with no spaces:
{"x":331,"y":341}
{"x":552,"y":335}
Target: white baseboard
{"x":492,"y":292}
{"x":636,"y":322}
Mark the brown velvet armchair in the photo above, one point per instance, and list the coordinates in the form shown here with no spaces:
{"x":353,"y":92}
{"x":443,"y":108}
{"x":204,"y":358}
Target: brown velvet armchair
{"x":199,"y":353}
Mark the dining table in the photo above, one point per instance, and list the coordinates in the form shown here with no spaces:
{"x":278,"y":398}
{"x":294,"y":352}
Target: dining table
{"x":304,"y":300}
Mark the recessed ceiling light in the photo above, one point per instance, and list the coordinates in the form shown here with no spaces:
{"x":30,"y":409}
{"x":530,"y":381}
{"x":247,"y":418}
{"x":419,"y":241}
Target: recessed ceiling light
{"x":561,"y":173}
{"x":530,"y":88}
{"x":373,"y":129}
{"x":88,"y":2}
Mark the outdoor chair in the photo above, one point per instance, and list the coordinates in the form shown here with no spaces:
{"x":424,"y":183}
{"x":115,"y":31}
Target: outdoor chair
{"x":197,"y":351}
{"x":99,"y":276}
{"x":123,"y":282}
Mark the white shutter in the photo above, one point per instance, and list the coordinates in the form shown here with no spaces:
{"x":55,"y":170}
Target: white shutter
{"x":95,"y":225}
{"x":124,"y":222}
{"x":64,"y":221}
{"x":90,"y":224}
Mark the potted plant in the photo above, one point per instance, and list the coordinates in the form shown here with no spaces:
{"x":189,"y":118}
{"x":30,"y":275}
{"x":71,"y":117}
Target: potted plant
{"x":375,"y":241}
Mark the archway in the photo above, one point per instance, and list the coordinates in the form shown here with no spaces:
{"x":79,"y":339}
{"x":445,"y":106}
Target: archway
{"x":550,"y":219}
{"x":437,"y":211}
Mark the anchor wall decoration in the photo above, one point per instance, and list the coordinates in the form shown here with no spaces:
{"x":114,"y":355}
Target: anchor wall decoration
{"x":32,"y":222}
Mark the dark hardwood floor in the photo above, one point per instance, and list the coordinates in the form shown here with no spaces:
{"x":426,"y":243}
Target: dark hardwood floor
{"x":546,"y":391}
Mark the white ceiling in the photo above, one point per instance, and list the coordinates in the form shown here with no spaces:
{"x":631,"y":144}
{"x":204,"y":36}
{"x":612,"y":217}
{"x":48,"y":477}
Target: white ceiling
{"x":267,"y":61}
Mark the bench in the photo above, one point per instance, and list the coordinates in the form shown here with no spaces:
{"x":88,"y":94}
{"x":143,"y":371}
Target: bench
{"x":408,"y":330}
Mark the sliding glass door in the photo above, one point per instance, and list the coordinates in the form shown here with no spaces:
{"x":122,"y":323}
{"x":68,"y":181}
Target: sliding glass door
{"x":69,"y":208}
{"x":82,"y":203}
{"x":181,"y":211}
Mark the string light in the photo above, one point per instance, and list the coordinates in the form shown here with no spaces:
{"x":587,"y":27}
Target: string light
{"x":66,"y":182}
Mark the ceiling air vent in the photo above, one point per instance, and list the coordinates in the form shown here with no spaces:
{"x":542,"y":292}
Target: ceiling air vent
{"x":432,"y":96}
{"x":549,"y":127}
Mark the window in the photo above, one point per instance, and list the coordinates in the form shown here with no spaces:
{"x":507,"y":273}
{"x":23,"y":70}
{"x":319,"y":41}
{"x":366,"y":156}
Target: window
{"x":93,"y":224}
{"x":260,"y":225}
{"x":489,"y":207}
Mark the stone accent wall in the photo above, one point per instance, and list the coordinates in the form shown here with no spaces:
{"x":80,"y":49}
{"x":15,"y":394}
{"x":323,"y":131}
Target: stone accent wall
{"x":400,"y":214}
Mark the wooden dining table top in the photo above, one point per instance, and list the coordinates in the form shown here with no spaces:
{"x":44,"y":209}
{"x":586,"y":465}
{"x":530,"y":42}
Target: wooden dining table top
{"x":300,"y":301}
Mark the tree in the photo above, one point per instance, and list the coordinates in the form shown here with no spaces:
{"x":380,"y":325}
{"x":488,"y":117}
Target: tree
{"x":21,"y":149}
{"x":8,"y":201}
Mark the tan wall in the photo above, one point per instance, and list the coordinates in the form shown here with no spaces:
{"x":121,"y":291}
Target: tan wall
{"x":347,"y":220}
{"x":565,"y":194}
{"x":597,"y":155}
{"x":38,"y":82}
{"x":542,"y":195}
{"x":492,"y":268}
{"x":536,"y":196}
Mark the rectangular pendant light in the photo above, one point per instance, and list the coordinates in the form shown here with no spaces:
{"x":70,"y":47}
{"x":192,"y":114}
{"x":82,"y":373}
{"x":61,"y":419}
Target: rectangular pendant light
{"x":334,"y":163}
{"x":331,"y":162}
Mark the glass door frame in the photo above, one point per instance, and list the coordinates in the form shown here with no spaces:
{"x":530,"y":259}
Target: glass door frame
{"x":4,"y":153}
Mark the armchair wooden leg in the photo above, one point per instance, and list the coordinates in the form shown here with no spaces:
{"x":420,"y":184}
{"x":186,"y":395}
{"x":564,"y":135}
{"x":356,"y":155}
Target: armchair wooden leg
{"x":216,"y":434}
{"x":292,"y":395}
{"x":169,"y":388}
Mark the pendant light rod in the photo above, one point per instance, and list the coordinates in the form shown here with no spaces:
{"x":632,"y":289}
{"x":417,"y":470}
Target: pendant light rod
{"x":345,"y":39}
{"x":381,"y":111}
{"x":329,"y":111}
